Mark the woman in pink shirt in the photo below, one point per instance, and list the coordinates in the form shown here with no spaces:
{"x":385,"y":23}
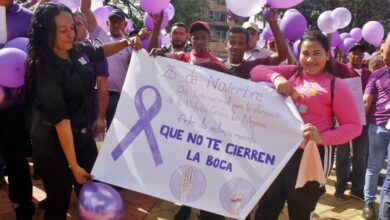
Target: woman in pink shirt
{"x":319,"y":97}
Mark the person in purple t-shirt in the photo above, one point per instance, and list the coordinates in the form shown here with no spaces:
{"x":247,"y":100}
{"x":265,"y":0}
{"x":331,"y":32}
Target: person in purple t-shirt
{"x":14,"y":135}
{"x":101,"y":72}
{"x":17,"y":18}
{"x":377,"y":104}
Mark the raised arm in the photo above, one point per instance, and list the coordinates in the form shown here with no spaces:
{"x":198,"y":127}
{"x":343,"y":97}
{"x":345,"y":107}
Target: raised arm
{"x":153,"y":41}
{"x":91,"y":20}
{"x":280,"y":41}
{"x":114,"y":47}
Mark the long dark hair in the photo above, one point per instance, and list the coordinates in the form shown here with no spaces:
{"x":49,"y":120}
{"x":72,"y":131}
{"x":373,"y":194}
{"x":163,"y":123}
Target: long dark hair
{"x":323,"y":40}
{"x":42,"y":36}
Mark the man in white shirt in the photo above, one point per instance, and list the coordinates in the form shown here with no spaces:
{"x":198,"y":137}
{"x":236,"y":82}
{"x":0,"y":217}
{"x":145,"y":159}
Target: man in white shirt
{"x":253,"y":52}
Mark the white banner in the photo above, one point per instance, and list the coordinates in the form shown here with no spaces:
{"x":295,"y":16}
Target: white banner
{"x":197,"y":137}
{"x":355,"y":86}
{"x":3,"y":25}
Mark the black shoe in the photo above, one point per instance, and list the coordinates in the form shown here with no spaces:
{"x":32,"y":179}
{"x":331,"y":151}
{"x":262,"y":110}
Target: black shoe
{"x":369,"y":210}
{"x":25,"y":211}
{"x":339,"y":195}
{"x":42,"y":204}
{"x":184,"y":213}
{"x":358,"y":196}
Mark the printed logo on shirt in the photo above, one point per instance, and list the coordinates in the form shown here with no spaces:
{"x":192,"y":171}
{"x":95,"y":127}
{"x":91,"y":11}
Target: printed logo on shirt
{"x":84,"y":59}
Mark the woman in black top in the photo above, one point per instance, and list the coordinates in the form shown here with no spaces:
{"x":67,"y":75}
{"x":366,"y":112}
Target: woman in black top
{"x":60,"y":84}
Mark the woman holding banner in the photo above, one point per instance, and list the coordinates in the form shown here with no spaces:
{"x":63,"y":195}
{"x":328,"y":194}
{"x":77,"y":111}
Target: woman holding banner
{"x":59,"y":81}
{"x":312,"y":86}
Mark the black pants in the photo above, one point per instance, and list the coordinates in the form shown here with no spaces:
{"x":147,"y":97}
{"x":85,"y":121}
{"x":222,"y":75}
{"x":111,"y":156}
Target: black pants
{"x":56,"y":175}
{"x":14,"y":142}
{"x":301,"y":201}
{"x":359,"y":163}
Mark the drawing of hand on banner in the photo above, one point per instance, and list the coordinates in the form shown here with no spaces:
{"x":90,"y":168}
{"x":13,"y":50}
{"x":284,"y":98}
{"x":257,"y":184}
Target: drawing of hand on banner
{"x":236,"y":203}
{"x":186,"y":183}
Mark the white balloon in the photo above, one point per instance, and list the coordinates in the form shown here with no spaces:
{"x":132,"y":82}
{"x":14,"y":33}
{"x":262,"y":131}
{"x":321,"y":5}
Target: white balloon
{"x":245,"y":8}
{"x":96,"y":4}
{"x":291,"y":10}
{"x":343,"y":15}
{"x":326,"y":22}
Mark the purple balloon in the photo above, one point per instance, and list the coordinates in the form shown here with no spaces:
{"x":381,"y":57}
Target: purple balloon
{"x":166,"y":39}
{"x":129,"y":26}
{"x":335,"y":39}
{"x":343,"y":48}
{"x":171,"y":11}
{"x":101,"y":15}
{"x":145,"y":42}
{"x":237,"y":17}
{"x":72,"y":4}
{"x":356,"y":34}
{"x":148,"y":21}
{"x":291,"y":10}
{"x":12,"y":62}
{"x":293,"y":26}
{"x":283,"y":3}
{"x":267,"y":33}
{"x":373,"y":33}
{"x":99,"y":201}
{"x":295,"y":48}
{"x":18,"y":43}
{"x":154,"y":6}
{"x":349,"y":42}
{"x":344,"y":36}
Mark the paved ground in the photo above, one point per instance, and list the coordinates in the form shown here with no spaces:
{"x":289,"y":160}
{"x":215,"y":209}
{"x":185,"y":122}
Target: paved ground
{"x":139,"y":206}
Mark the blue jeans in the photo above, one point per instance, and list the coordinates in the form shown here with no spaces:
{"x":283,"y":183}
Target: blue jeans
{"x":384,"y":209}
{"x":111,"y":108}
{"x":359,"y":163}
{"x":379,"y":138}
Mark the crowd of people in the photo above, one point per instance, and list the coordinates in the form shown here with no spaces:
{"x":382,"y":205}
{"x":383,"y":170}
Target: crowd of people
{"x":76,"y":70}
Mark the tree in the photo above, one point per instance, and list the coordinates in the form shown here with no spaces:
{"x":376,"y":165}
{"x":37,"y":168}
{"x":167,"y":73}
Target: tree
{"x":362,"y":11}
{"x":188,"y":11}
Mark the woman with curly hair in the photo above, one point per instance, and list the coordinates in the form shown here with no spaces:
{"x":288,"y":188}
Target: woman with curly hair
{"x":59,"y":82}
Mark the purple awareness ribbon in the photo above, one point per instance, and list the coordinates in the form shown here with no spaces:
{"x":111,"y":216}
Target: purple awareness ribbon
{"x":142,"y":124}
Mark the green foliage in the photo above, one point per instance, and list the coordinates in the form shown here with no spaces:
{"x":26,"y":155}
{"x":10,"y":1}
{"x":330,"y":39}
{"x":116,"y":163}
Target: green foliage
{"x":188,"y":11}
{"x":362,"y":11}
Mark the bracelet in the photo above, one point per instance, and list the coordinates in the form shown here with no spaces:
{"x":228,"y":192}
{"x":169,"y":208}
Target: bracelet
{"x":71,"y":166}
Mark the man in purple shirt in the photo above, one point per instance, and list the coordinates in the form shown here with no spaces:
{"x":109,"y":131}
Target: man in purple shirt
{"x":101,"y":72}
{"x":117,"y":63}
{"x":359,"y":145}
{"x":17,"y":18}
{"x":377,"y":104}
{"x":14,"y":135}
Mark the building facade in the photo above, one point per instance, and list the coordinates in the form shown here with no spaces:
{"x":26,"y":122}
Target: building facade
{"x":217,"y":14}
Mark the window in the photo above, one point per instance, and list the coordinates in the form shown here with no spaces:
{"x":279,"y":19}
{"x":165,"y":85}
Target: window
{"x":221,"y":2}
{"x":216,"y":16}
{"x":218,"y":36}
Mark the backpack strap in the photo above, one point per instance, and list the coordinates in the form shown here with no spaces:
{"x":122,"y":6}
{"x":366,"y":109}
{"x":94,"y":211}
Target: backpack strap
{"x":332,"y":82}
